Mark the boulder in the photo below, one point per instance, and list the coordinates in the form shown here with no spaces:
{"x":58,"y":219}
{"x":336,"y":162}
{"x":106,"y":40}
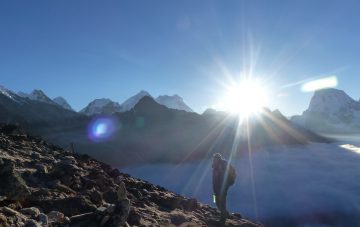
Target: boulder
{"x":33,"y":212}
{"x":32,"y":223}
{"x":12,"y":185}
{"x":56,"y":217}
{"x":68,"y":206}
{"x":43,"y":218}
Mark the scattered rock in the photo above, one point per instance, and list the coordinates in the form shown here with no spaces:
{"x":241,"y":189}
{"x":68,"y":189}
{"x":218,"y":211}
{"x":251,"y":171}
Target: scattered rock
{"x":41,"y":168}
{"x":12,"y":185}
{"x":189,"y":204}
{"x":32,"y":223}
{"x":33,"y":212}
{"x":56,"y":217}
{"x":134,"y":218}
{"x":177,"y":218}
{"x":43,"y":218}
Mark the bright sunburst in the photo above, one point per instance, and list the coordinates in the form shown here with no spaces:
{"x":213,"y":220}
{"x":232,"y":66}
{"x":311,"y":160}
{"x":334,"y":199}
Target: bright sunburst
{"x":246,"y":97}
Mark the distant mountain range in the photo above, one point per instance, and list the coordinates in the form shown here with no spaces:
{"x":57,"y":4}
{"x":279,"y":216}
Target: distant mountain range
{"x":107,"y":106}
{"x":331,"y":111}
{"x":148,"y":131}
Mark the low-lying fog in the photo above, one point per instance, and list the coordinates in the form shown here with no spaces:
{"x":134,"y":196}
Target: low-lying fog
{"x":298,"y":186}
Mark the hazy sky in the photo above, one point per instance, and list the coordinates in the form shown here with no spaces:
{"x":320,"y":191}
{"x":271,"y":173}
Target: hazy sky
{"x":87,"y":49}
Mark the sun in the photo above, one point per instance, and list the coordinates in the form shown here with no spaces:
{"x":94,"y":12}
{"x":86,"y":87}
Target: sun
{"x":247,"y":97}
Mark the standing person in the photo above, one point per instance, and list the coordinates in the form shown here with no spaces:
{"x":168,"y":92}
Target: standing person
{"x":223,"y":177}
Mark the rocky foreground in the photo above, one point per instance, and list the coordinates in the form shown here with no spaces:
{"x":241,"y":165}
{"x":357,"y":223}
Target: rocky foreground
{"x":44,"y":185}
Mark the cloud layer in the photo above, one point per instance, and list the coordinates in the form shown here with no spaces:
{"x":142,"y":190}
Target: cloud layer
{"x":311,"y":185}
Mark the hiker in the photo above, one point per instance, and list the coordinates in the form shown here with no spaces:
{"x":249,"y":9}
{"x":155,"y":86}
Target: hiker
{"x":223,"y":177}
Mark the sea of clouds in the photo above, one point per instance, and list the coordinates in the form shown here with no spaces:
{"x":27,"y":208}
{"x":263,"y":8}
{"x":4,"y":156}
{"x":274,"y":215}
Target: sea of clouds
{"x":311,"y":185}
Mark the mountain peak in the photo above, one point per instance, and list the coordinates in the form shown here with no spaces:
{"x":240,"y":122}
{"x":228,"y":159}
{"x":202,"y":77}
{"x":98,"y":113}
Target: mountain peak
{"x":133,"y":100}
{"x":62,"y":102}
{"x":330,"y":110}
{"x":39,"y":95}
{"x":101,"y":106}
{"x":143,"y":92}
{"x":331,"y":100}
{"x":173,"y":102}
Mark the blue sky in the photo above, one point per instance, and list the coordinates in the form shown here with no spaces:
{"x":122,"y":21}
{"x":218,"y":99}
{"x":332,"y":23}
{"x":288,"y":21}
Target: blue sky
{"x":83,"y":50}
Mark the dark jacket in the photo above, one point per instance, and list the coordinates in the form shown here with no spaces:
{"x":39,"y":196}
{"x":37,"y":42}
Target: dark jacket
{"x":223,"y":175}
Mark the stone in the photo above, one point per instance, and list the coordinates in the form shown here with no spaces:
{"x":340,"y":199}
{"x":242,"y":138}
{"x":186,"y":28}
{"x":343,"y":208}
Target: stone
{"x":189,"y":204}
{"x":42,"y":169}
{"x":12,"y":185}
{"x":177,"y":218}
{"x":101,"y":209}
{"x":32,"y":223}
{"x":96,"y":197}
{"x":121,"y":191}
{"x":237,"y":215}
{"x":55,"y":217}
{"x":124,"y":207}
{"x":82,"y":217}
{"x":114,"y":173}
{"x":12,"y":212}
{"x":110,"y":196}
{"x":68,"y":206}
{"x":32,"y":211}
{"x":166,"y":201}
{"x":69,"y":160}
{"x":110,"y":209}
{"x":43,"y":218}
{"x":134,"y":218}
{"x":3,"y":218}
{"x":136,"y":192}
{"x":104,"y":220}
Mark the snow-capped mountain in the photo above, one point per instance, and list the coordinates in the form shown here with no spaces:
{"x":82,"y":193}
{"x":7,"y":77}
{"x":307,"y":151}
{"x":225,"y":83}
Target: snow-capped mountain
{"x":101,"y":106}
{"x":173,"y":102}
{"x":37,"y":95}
{"x":133,"y":100}
{"x":332,"y":101}
{"x":62,"y":102}
{"x":331,"y":110}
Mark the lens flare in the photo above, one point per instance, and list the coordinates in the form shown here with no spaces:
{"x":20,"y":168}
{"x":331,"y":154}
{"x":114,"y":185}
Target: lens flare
{"x":102,"y":129}
{"x":327,"y":82}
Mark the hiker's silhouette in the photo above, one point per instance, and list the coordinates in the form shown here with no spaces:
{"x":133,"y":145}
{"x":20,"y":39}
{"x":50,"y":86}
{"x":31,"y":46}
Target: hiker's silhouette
{"x":223,"y":177}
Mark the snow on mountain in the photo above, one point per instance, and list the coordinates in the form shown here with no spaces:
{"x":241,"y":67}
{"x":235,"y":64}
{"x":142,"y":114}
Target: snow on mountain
{"x":37,"y":95}
{"x":332,"y":101}
{"x":8,"y":93}
{"x":330,"y":110}
{"x":101,"y":106}
{"x":62,"y":102}
{"x":132,"y":101}
{"x":173,"y":102}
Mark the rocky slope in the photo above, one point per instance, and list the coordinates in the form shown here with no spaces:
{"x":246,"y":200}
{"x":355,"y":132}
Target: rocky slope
{"x":44,"y":185}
